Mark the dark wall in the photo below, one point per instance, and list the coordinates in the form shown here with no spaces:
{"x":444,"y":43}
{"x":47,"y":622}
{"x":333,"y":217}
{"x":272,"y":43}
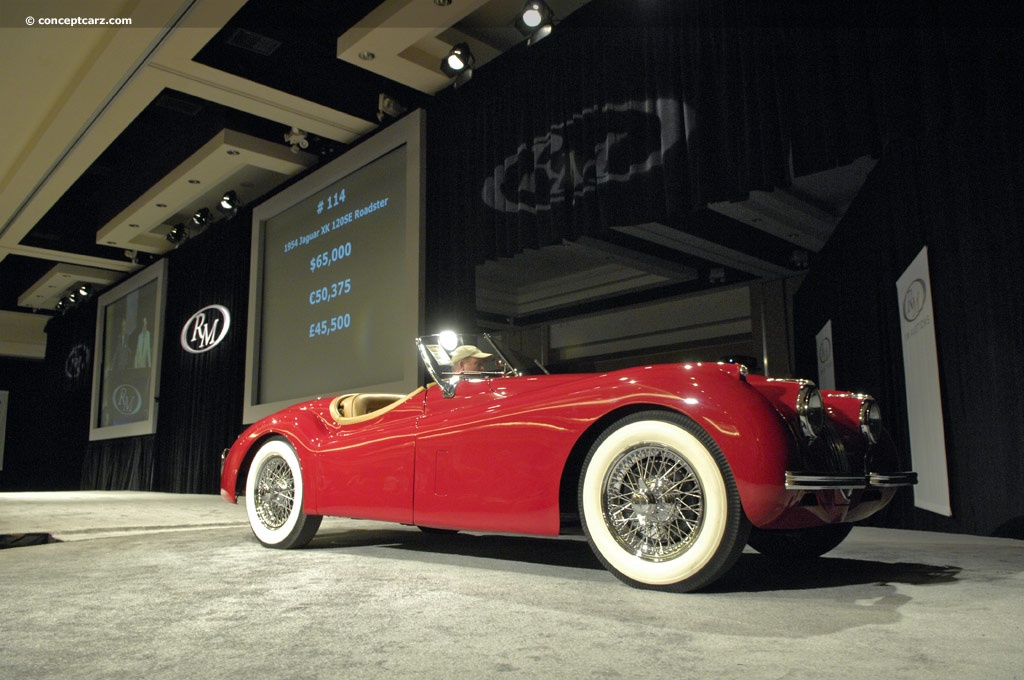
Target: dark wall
{"x":199,"y":407}
{"x":960,"y":197}
{"x":30,"y":461}
{"x":49,"y":407}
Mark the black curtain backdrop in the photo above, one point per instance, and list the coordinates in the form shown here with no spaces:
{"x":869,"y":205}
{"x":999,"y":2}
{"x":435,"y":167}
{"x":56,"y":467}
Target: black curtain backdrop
{"x":961,"y":197}
{"x":199,"y":407}
{"x":36,"y":455}
{"x":638,"y":112}
{"x":955,"y":186}
{"x":69,"y":365}
{"x":201,"y":394}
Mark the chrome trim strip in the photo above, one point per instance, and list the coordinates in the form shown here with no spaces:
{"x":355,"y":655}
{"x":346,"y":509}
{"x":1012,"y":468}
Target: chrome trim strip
{"x":892,"y":479}
{"x":804,"y":481}
{"x":819,"y":482}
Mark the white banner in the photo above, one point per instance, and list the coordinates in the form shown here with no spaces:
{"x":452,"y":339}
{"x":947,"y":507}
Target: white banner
{"x":924,"y":400}
{"x":826,"y":360}
{"x":4,"y":398}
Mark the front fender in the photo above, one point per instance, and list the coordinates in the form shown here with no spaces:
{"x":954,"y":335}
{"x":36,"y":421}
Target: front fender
{"x":303,"y":429}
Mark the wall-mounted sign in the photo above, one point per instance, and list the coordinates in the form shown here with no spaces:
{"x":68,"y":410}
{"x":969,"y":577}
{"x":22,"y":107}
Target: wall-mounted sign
{"x":826,"y":359}
{"x":205,"y":329}
{"x":924,"y":397}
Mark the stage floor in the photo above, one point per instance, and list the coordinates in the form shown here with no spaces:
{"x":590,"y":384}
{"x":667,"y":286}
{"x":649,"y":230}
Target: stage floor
{"x":165,"y":585}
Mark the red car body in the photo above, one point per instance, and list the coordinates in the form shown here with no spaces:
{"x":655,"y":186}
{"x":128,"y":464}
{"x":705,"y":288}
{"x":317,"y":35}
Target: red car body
{"x":506,"y":453}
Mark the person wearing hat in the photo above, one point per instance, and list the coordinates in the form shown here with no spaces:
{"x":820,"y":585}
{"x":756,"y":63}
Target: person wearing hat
{"x":468,"y":359}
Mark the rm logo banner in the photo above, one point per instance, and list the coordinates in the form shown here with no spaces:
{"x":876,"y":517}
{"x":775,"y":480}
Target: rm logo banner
{"x":826,"y":359}
{"x":924,"y":399}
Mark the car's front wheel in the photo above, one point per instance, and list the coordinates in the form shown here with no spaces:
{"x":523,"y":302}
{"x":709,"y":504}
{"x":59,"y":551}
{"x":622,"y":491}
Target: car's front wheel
{"x":273,"y":497}
{"x":659,"y":503}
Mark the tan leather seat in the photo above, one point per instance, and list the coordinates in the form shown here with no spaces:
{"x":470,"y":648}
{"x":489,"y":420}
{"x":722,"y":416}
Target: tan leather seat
{"x":349,"y":409}
{"x":362,"y":404}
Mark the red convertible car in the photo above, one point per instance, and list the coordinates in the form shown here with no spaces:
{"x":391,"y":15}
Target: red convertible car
{"x":670,"y":470}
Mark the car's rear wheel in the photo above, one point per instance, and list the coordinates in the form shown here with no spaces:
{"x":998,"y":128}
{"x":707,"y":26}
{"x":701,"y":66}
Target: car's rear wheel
{"x":273,"y":497}
{"x":798,"y":544}
{"x":659,"y":503}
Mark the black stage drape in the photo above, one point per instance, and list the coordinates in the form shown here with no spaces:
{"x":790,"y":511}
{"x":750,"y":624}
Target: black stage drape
{"x":201,"y":394}
{"x":631,"y":113}
{"x":955,"y":185}
{"x":199,"y":406}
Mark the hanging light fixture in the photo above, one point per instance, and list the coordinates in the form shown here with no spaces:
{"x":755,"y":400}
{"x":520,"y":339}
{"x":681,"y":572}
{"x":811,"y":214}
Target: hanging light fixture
{"x":176,"y":234}
{"x":201,"y":217}
{"x":229,"y":202}
{"x":535,"y":20}
{"x":459,"y":64}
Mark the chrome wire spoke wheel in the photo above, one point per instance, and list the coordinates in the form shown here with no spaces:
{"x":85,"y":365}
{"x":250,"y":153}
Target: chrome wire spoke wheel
{"x":659,"y":504}
{"x":274,"y":497}
{"x":653,"y":502}
{"x":275,"y":493}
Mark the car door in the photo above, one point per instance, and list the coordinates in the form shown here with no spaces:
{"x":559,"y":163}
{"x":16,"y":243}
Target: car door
{"x":489,"y":458}
{"x":366,"y":468}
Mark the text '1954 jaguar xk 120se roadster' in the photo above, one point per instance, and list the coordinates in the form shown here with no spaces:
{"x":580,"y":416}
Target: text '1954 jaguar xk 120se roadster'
{"x":670,"y":470}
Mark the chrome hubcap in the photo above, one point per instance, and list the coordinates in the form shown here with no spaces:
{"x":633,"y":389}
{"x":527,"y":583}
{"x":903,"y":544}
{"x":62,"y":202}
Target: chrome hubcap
{"x":275,"y":493}
{"x":653,"y":502}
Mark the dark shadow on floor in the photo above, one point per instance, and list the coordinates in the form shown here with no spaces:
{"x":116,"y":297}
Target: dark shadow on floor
{"x":752,"y":572}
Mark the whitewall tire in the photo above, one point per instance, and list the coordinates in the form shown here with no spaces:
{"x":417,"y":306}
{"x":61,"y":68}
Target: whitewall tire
{"x":659,"y":503}
{"x":274,"y":495}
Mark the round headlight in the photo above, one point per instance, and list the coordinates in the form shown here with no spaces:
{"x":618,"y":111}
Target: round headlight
{"x":810,"y":408}
{"x":871,"y":420}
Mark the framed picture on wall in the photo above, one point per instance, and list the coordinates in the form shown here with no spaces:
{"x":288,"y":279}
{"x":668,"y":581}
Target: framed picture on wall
{"x":126,"y":372}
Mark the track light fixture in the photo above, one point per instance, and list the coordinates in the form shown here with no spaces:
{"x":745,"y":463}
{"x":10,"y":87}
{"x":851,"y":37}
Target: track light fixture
{"x":201,"y":217}
{"x":459,"y":64}
{"x":177,"y":234}
{"x":229,"y":202}
{"x":535,"y":20}
{"x":297,"y":139}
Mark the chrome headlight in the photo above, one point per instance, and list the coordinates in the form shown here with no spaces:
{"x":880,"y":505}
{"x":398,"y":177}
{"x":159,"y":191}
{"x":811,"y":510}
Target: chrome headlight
{"x":871,"y":420}
{"x":810,"y":408}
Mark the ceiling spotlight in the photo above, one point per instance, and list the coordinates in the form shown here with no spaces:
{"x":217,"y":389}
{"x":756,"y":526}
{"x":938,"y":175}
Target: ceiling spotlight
{"x":388,"y":107}
{"x":459,"y":63}
{"x":297,"y":139}
{"x":535,"y":21}
{"x":176,"y":234}
{"x":85,"y":290}
{"x":201,"y":217}
{"x":229,"y":202}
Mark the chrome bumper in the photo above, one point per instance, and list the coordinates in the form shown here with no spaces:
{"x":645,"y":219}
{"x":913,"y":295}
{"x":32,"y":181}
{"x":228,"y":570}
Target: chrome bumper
{"x":805,"y":481}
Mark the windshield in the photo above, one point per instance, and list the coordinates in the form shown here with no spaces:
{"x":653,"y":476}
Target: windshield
{"x":449,"y":355}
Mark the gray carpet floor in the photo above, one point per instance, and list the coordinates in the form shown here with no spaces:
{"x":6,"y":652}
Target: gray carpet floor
{"x":172,"y":586}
